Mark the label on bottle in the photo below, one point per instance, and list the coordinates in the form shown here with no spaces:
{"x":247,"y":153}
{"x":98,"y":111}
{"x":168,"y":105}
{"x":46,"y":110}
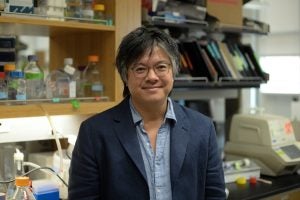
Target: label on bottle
{"x":97,"y":87}
{"x":34,"y":76}
{"x":21,"y":97}
{"x":3,"y":95}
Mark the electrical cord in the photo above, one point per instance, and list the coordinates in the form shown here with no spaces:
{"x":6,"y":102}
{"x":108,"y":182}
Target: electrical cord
{"x":35,"y":169}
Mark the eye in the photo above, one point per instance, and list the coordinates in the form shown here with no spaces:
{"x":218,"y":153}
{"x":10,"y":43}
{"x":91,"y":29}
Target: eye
{"x":162,"y":67}
{"x":140,"y":69}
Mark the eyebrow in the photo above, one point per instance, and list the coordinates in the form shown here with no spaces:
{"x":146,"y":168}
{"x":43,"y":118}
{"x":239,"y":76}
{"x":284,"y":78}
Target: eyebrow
{"x":158,"y":62}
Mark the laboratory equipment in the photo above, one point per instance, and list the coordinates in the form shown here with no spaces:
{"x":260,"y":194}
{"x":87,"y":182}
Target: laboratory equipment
{"x":240,"y":168}
{"x":23,"y":190}
{"x":268,"y":140}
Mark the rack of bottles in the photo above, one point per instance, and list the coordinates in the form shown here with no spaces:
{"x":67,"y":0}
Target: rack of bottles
{"x":69,"y":10}
{"x":74,"y":39}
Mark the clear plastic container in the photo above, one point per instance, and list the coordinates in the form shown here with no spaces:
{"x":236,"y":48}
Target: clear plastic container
{"x":34,"y":76}
{"x":57,"y":84}
{"x":61,"y":83}
{"x":23,"y":189}
{"x":16,"y":89}
{"x":93,"y":86}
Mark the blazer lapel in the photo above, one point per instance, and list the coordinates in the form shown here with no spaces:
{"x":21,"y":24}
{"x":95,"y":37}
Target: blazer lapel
{"x":179,"y":141}
{"x":126,"y":132}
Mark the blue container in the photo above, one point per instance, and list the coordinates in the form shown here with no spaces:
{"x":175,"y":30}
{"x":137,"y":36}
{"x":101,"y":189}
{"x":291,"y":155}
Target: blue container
{"x":45,"y":190}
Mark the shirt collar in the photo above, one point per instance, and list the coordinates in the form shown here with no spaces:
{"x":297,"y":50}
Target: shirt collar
{"x":170,"y":114}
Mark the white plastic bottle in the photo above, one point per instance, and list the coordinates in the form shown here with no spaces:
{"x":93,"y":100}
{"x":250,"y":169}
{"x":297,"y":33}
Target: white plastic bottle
{"x":34,"y":77}
{"x":74,"y":76}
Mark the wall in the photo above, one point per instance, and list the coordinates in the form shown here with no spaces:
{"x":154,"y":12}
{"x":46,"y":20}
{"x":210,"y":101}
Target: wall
{"x":284,"y":39}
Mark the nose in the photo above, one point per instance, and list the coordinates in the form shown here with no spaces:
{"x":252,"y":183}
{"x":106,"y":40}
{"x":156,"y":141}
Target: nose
{"x":151,"y":73}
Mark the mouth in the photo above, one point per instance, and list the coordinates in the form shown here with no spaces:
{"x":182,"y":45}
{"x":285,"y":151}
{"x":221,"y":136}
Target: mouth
{"x":151,"y":88}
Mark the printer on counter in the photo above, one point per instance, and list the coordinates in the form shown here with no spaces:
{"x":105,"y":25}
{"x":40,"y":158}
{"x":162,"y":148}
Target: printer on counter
{"x":269,"y":140}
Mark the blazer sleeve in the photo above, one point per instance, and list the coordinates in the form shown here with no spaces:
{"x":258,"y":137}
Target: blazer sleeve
{"x":215,"y":182}
{"x":84,"y":174}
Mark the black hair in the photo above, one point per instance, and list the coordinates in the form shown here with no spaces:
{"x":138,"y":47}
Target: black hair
{"x":135,"y":44}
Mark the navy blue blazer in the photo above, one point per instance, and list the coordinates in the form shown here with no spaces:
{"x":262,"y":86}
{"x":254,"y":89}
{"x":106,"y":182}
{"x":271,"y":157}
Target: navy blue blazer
{"x":107,"y":162}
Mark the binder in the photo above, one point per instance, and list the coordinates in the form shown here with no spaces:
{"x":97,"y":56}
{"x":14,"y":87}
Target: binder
{"x":199,"y":67}
{"x":247,"y":49}
{"x":228,"y":58}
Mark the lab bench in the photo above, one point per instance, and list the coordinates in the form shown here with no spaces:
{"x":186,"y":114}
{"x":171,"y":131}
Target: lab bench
{"x":285,"y":187}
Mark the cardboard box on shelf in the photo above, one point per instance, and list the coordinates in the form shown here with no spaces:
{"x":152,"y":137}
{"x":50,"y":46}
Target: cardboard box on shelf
{"x":227,"y":11}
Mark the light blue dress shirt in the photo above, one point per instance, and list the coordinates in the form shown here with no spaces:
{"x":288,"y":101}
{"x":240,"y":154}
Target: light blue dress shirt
{"x":157,"y":165}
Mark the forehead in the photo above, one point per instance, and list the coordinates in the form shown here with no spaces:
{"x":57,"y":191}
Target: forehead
{"x":156,"y":53}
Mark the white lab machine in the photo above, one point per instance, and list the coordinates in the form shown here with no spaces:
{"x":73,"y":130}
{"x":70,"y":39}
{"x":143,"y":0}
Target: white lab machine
{"x":269,"y":140}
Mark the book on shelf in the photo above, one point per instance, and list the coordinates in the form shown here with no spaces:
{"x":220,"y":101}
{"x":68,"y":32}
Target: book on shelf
{"x":229,"y":60}
{"x":219,"y":61}
{"x":199,"y":68}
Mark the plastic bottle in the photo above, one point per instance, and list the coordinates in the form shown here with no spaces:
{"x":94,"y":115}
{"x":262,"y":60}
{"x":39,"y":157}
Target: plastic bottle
{"x":93,"y":86}
{"x":34,"y":76}
{"x":3,"y":86}
{"x":59,"y":82}
{"x":16,"y":86}
{"x":23,"y":189}
{"x":74,"y":76}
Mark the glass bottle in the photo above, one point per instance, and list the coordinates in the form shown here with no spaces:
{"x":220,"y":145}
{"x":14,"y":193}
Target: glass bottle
{"x":23,"y":189}
{"x":93,"y":86}
{"x":34,"y":77}
{"x":3,"y":86}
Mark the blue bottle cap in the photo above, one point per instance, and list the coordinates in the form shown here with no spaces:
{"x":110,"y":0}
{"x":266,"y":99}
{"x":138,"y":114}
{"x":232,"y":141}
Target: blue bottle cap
{"x":16,"y":74}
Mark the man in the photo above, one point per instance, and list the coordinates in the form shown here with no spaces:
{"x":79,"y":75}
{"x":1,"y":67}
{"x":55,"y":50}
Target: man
{"x":148,"y":146}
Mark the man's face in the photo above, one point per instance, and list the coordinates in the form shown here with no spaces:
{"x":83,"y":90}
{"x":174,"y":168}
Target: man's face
{"x":150,"y":79}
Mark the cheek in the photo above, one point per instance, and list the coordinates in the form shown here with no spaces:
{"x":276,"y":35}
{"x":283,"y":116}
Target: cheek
{"x":132,"y":83}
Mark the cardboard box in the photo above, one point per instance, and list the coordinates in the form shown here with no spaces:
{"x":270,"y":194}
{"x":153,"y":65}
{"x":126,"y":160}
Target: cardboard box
{"x":24,"y":6}
{"x":227,"y":11}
